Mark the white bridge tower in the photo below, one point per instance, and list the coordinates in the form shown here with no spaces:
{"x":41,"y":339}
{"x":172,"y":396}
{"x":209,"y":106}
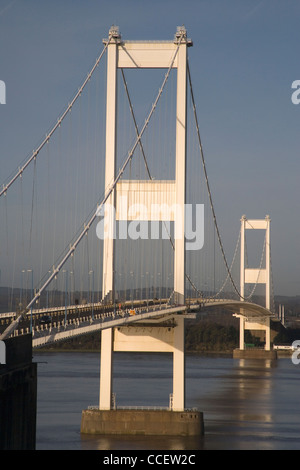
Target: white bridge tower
{"x":255,"y":276}
{"x":135,"y":55}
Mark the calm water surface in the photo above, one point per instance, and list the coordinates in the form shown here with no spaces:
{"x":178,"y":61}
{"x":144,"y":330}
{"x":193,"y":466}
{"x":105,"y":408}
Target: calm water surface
{"x":247,"y":404}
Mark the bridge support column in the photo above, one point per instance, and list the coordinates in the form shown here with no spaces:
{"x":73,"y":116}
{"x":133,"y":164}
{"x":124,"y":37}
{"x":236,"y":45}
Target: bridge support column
{"x":255,"y":324}
{"x":268,"y":335}
{"x":179,"y":367}
{"x":106,"y":369}
{"x":145,"y":339}
{"x":242,"y":333}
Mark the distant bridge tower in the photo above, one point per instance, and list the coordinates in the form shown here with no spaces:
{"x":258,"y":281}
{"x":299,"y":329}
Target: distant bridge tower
{"x":131,"y":54}
{"x":255,"y":276}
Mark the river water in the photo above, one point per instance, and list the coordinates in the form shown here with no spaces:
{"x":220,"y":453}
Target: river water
{"x":247,"y":404}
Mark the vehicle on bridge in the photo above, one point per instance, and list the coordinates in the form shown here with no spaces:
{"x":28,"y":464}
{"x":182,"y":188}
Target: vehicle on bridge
{"x":45,"y":320}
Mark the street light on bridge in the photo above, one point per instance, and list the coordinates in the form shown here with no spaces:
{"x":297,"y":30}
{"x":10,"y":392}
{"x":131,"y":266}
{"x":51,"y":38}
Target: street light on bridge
{"x":92,"y":299}
{"x":31,"y":271}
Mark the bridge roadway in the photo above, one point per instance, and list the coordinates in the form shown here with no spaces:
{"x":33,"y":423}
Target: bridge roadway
{"x":85,"y":322}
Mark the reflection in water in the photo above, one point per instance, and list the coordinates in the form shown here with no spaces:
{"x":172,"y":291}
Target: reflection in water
{"x":254,"y":389}
{"x":247,"y":404}
{"x":140,"y":443}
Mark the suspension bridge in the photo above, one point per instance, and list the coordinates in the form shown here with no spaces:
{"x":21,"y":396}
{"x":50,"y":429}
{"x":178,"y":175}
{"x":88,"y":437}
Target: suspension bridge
{"x":118,"y":187}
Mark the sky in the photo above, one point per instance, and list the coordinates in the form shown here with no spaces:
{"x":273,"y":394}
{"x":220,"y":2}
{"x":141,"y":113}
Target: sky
{"x":244,"y":59}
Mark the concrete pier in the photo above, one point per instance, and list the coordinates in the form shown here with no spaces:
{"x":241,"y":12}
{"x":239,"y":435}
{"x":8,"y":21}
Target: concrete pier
{"x":254,"y":353}
{"x":142,"y":422}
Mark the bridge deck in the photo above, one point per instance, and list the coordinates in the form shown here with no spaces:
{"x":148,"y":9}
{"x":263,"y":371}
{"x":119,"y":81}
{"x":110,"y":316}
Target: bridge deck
{"x":61,"y":330}
{"x":70,"y":331}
